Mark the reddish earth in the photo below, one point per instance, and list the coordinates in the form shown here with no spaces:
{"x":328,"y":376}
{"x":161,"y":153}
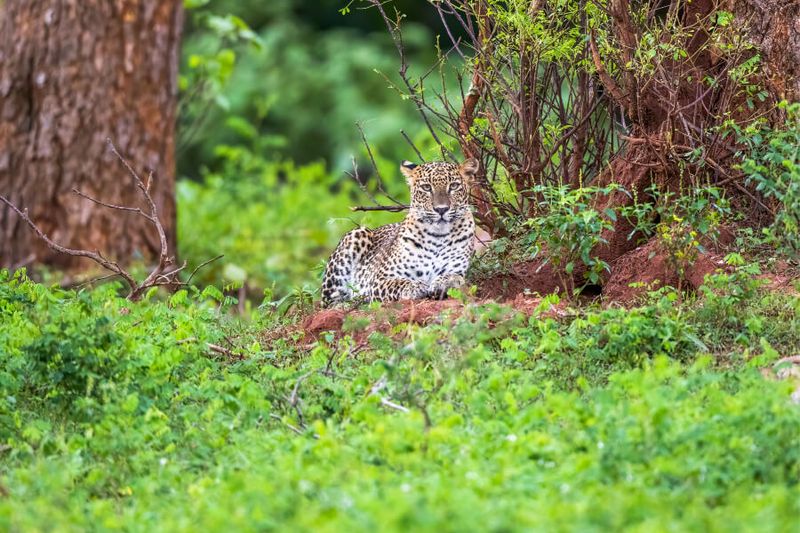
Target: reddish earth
{"x":360,"y":324}
{"x":781,"y":277}
{"x":648,"y":268}
{"x":531,"y":277}
{"x":420,"y":312}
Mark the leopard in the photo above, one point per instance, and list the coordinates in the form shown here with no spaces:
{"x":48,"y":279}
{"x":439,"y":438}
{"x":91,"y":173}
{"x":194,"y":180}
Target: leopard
{"x":422,"y":257}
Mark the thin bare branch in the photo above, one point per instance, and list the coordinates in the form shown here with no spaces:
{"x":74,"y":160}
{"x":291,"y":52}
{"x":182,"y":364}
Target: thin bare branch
{"x":608,"y":82}
{"x":390,"y":208}
{"x":136,"y":210}
{"x":95,"y":256}
{"x":200,"y":266}
{"x":413,"y":146}
{"x":361,"y":184}
{"x":379,"y":179}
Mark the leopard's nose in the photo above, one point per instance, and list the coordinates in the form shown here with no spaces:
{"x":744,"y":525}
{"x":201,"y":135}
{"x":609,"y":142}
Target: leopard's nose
{"x":441,"y":209}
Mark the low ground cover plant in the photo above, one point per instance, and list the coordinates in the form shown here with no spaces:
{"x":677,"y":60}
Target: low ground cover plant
{"x":210,"y":409}
{"x":274,"y":224}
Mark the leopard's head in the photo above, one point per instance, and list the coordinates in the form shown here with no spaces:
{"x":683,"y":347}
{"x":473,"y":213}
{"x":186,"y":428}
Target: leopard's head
{"x":439,"y":190}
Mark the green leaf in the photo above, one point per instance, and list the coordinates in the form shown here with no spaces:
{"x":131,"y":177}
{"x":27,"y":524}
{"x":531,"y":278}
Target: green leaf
{"x":724,"y":18}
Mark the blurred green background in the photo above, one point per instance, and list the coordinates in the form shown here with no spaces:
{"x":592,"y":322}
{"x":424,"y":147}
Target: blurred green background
{"x":271,"y":94}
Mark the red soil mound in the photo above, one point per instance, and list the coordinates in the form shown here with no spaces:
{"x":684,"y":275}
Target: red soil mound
{"x":527,"y":277}
{"x":648,"y":268}
{"x":419,"y":312}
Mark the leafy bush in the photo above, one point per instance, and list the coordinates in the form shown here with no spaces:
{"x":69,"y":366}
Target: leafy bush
{"x":773,"y":164}
{"x":298,"y":82}
{"x":208,"y":69}
{"x":736,"y":310}
{"x":688,"y":223}
{"x":685,"y":223}
{"x":568,"y":230}
{"x":72,"y":352}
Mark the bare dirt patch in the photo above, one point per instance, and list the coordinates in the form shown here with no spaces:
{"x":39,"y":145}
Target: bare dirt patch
{"x":636,"y":270}
{"x":524,"y":278}
{"x":781,"y":277}
{"x":421,"y":312}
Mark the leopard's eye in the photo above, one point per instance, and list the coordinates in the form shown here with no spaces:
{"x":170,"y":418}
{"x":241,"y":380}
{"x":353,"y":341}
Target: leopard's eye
{"x":425,"y":187}
{"x":455,"y":186}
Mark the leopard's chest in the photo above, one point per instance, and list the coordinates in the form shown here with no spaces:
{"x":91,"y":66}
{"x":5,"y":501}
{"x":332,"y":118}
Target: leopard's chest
{"x":426,"y":252}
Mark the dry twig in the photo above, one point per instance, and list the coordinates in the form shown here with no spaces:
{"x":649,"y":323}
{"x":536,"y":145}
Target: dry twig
{"x":398,"y":207}
{"x":386,"y":402}
{"x":390,"y":208}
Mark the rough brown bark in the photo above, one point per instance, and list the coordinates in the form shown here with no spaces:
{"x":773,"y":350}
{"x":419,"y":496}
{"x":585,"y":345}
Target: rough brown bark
{"x":774,"y":27}
{"x":469,"y":147}
{"x":74,"y":73}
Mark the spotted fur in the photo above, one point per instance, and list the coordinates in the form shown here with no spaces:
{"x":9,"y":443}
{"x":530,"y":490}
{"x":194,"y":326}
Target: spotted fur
{"x":421,"y":257}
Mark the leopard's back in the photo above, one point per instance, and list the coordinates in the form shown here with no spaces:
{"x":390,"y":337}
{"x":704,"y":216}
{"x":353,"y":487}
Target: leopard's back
{"x":357,"y":251}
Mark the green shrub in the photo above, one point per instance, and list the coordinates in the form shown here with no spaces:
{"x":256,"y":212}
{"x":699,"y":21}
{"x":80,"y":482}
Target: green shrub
{"x":74,"y":352}
{"x":299,"y":87}
{"x":568,"y":230}
{"x":685,"y":223}
{"x":735,"y":309}
{"x":772,"y":162}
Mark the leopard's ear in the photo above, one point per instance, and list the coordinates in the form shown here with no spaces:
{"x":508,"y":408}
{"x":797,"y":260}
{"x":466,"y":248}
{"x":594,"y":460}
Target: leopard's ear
{"x":469,"y":169}
{"x":408,"y":168}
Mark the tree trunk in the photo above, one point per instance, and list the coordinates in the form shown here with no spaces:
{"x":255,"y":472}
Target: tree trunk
{"x":74,"y":73}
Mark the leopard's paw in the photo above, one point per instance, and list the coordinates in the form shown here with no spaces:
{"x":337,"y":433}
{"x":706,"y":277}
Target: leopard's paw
{"x":442,"y":284}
